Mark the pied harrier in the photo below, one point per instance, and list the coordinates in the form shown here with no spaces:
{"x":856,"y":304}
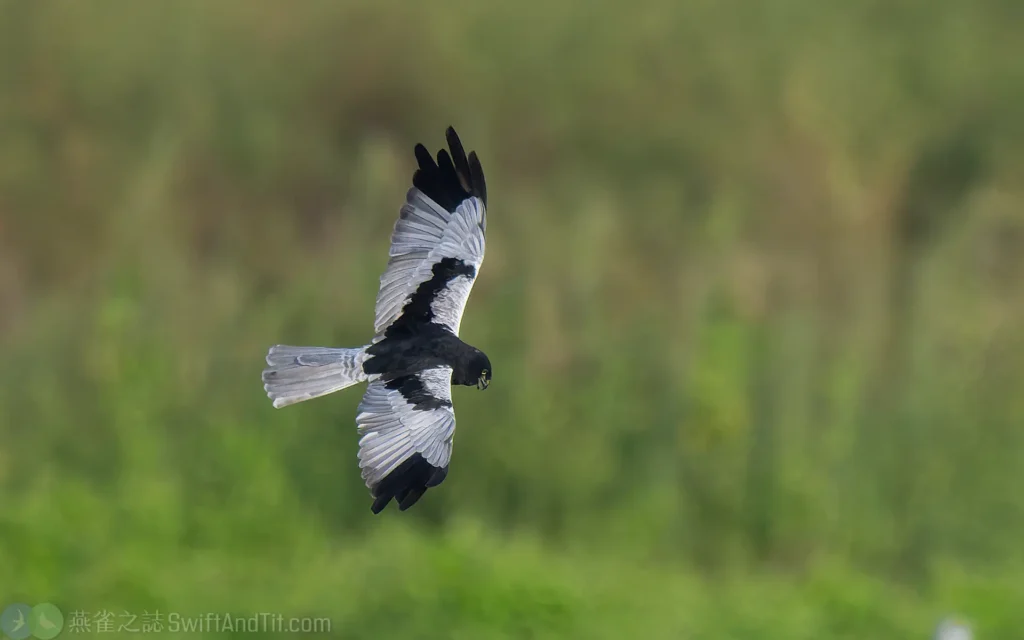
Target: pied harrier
{"x":405,"y":420}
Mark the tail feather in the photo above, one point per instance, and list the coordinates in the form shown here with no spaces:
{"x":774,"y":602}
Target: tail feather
{"x":296,"y":374}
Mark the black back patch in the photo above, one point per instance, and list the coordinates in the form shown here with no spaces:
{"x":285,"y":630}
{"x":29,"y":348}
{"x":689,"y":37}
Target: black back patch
{"x":415,"y":393}
{"x":418,"y":310}
{"x":453,"y":178}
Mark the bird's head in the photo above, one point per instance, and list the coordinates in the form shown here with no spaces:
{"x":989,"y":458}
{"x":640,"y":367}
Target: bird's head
{"x":480,"y":370}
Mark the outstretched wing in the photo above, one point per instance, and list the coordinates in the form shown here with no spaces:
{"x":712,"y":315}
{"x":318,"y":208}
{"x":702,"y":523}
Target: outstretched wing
{"x":437,"y":245}
{"x":407,"y":427}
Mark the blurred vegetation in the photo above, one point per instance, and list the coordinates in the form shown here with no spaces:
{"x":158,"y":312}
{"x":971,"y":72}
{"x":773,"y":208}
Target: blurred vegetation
{"x":753,"y":294}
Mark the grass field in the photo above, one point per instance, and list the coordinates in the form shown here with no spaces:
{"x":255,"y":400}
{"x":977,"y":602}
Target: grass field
{"x":754,"y":295}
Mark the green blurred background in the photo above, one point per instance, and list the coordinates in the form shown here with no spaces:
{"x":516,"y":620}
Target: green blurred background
{"x":754,"y":293}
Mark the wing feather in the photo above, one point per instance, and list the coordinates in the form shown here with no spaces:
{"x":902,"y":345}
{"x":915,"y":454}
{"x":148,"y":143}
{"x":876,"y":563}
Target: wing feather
{"x":443,"y":219}
{"x":407,"y":428}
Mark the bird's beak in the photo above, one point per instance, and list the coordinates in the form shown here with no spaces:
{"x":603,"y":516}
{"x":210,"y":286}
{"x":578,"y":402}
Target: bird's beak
{"x":481,"y":383}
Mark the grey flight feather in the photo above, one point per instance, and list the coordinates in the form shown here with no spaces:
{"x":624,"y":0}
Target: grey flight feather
{"x":392,"y":430}
{"x":424,"y":234}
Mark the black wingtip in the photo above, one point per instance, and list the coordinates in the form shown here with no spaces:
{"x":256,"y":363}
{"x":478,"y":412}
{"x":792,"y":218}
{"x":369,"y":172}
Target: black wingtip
{"x":453,"y":177}
{"x":476,"y":173}
{"x":410,"y":497}
{"x":407,"y":483}
{"x":454,"y":143}
{"x":423,"y":157}
{"x":379,"y":504}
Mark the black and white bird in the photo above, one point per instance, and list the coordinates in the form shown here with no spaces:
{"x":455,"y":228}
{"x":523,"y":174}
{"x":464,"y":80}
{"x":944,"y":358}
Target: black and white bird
{"x":406,"y":420}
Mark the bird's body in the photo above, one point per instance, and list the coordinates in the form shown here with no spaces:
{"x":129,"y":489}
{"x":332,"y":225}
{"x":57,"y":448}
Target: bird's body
{"x":428,"y":347}
{"x":406,"y":418}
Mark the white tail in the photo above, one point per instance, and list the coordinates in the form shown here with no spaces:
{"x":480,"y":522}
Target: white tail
{"x":297,"y":374}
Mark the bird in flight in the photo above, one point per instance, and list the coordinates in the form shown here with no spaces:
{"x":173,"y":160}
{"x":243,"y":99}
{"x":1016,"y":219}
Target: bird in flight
{"x":406,"y":421}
